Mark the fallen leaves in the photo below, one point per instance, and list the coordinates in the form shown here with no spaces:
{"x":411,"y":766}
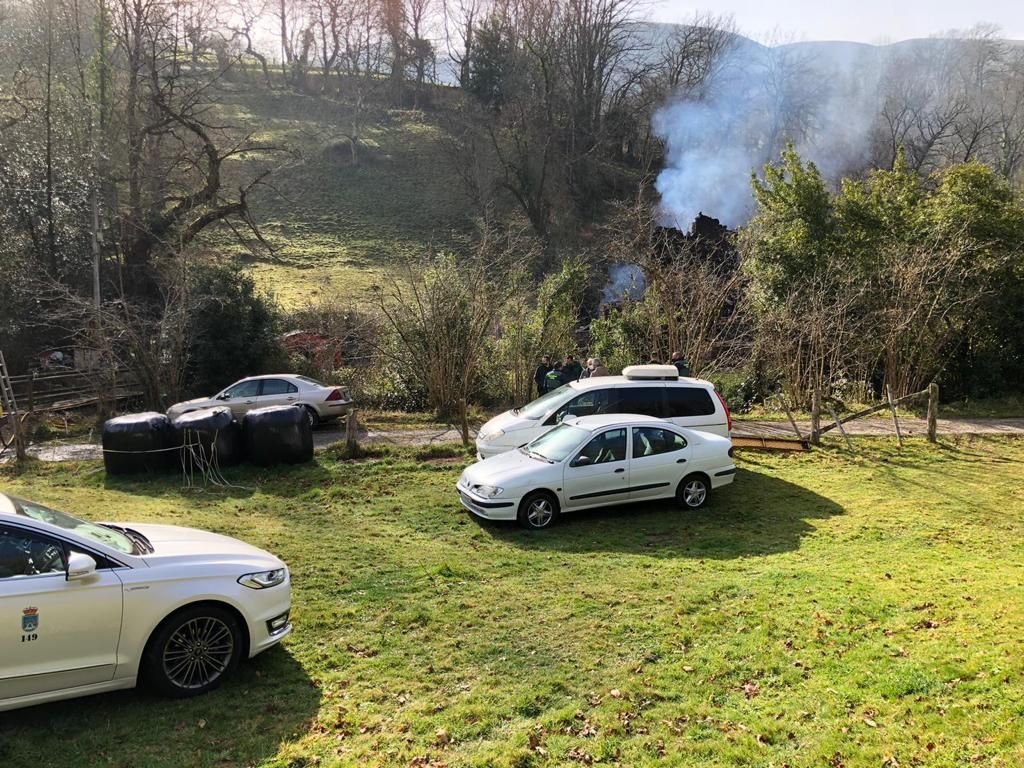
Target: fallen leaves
{"x":361,"y":653}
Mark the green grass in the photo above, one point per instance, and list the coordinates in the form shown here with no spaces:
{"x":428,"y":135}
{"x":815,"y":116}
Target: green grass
{"x":825,"y":610}
{"x":993,"y":407}
{"x":335,"y":227}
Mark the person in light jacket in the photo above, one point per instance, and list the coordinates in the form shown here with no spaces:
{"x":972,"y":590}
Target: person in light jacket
{"x":597,"y":369}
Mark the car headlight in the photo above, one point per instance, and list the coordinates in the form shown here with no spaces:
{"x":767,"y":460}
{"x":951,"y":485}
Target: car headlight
{"x":263,"y":579}
{"x":489,"y":436}
{"x":487,"y":491}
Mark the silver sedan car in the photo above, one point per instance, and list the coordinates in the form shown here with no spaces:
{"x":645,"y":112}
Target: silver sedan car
{"x":322,"y":402}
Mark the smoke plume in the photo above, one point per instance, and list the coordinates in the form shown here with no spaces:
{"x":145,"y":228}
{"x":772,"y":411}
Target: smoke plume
{"x":821,"y":98}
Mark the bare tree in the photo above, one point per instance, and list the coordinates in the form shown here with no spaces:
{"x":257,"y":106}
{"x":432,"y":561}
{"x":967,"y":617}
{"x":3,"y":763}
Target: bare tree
{"x":248,"y":14}
{"x":442,"y":314}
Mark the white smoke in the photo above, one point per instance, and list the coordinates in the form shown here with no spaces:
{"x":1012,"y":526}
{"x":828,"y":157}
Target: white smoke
{"x":823,"y":99}
{"x":625,"y":281}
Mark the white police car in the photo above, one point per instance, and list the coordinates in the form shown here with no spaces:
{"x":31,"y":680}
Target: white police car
{"x":86,"y":608}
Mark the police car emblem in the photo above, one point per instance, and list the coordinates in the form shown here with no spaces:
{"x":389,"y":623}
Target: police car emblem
{"x":30,"y":620}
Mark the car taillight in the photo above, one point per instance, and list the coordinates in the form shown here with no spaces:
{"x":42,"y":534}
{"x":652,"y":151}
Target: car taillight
{"x":728,"y":416}
{"x":335,"y":395}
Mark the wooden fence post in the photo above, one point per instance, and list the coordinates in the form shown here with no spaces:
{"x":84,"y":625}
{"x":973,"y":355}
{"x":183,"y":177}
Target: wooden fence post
{"x":816,"y":416}
{"x":464,"y":421}
{"x":792,"y":421}
{"x":933,"y":412}
{"x":841,"y":430}
{"x":351,"y":425}
{"x":895,"y":419}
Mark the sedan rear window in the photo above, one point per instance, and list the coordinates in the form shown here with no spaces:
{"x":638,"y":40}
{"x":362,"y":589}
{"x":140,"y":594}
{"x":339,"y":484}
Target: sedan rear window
{"x":277,"y":387}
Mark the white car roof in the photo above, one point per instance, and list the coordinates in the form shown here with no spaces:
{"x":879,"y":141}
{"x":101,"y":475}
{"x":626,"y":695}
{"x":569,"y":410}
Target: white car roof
{"x":604,"y":381}
{"x":593,"y":423}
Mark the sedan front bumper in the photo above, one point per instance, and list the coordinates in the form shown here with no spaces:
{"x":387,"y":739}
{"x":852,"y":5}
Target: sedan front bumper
{"x":489,"y":509}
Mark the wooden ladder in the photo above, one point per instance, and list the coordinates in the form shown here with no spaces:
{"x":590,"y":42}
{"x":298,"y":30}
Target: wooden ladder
{"x":10,"y":410}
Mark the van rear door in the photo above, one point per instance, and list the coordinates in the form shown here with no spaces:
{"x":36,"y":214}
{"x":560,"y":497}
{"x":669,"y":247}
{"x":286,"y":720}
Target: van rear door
{"x":696,"y":408}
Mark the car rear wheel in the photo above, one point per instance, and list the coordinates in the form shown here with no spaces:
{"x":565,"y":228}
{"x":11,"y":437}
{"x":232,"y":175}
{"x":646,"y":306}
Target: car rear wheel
{"x":192,"y":651}
{"x":538,"y":510}
{"x":693,"y":491}
{"x":312,"y":416}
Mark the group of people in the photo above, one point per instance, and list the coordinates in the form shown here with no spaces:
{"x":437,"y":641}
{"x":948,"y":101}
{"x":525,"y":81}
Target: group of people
{"x":550,"y":376}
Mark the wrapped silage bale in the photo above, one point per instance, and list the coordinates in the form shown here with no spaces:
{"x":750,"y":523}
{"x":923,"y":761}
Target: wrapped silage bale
{"x":138,"y":442}
{"x":278,"y":434}
{"x":209,"y":436}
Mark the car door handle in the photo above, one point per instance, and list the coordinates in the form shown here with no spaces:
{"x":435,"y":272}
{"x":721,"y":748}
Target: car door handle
{"x":290,"y":399}
{"x":617,"y":471}
{"x":680,"y":461}
{"x":249,"y":402}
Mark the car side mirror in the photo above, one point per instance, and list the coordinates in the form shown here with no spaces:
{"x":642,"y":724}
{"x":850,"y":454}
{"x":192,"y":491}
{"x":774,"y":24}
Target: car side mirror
{"x":223,"y":396}
{"x":80,"y":566}
{"x":582,"y":461}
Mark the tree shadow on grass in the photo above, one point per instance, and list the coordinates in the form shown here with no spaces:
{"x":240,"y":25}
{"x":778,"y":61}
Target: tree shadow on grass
{"x":268,"y":701}
{"x":757,"y":515}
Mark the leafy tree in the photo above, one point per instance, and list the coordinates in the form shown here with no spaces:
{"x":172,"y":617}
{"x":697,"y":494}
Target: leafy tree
{"x":792,"y":237}
{"x":233,"y":328}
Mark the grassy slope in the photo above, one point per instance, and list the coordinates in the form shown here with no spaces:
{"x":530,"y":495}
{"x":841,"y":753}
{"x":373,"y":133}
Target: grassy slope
{"x":826,"y":610}
{"x":336,"y":226}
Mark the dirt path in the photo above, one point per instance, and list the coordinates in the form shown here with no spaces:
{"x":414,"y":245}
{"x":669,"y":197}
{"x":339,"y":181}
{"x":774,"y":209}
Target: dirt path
{"x":877,"y":426}
{"x":57,"y":451}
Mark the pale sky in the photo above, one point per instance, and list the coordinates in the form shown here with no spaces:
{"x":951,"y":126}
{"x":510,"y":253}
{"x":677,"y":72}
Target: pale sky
{"x":866,"y":21}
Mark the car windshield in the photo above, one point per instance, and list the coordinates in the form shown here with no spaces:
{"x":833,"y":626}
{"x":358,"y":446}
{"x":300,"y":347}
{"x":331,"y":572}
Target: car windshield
{"x":98,"y":533}
{"x":540,"y":407}
{"x":557,"y":444}
{"x":308,"y":380}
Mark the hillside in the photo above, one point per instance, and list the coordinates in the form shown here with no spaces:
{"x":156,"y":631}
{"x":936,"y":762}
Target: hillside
{"x":334,"y":225}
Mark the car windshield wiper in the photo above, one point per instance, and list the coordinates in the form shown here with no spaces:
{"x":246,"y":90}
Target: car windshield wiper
{"x":540,"y":456}
{"x":144,"y":545}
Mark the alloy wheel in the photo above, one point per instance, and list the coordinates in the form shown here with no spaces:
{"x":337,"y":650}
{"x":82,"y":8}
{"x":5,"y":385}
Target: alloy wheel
{"x":540,"y":512}
{"x":198,"y":652}
{"x":694,"y":493}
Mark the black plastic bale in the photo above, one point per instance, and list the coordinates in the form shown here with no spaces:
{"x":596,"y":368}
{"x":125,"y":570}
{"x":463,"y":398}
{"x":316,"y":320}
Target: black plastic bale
{"x":138,"y":442}
{"x":206,"y":435}
{"x":279,"y":434}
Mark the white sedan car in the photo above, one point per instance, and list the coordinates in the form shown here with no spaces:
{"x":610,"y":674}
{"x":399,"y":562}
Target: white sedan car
{"x":597,"y":461}
{"x":320,"y":401}
{"x":86,"y":608}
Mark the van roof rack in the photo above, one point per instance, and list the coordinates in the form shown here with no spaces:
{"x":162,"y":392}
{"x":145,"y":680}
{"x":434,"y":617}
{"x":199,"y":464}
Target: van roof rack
{"x":651,"y":372}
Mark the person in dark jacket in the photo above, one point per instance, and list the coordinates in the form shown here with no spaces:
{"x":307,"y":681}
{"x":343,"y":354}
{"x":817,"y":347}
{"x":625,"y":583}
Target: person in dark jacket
{"x":681,"y":363}
{"x":539,"y":376}
{"x":571,"y":369}
{"x":555,"y":378}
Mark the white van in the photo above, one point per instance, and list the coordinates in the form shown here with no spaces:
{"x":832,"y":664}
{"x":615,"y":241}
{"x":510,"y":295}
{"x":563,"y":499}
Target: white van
{"x":649,"y":390}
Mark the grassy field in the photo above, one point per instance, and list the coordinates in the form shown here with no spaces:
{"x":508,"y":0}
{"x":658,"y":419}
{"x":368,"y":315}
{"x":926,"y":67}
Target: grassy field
{"x":334,"y":226}
{"x":826,"y":610}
